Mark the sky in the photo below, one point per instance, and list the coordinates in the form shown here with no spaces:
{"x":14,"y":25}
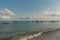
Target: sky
{"x":30,"y":7}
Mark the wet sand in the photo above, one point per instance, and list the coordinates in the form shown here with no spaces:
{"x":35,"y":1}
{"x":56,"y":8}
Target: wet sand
{"x":51,"y":35}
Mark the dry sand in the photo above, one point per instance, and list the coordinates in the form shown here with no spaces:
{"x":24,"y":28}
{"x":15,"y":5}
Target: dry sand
{"x":52,"y":35}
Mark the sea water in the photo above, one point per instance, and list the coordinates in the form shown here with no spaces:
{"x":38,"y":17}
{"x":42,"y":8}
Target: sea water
{"x":25,"y":27}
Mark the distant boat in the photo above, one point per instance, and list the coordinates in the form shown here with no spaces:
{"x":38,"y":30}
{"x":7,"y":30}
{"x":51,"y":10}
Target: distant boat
{"x":54,"y":21}
{"x":37,"y":21}
{"x":41,"y":21}
{"x":15,"y":21}
{"x":6,"y":23}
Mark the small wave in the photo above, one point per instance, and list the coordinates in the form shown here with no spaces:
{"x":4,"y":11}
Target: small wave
{"x":27,"y":36}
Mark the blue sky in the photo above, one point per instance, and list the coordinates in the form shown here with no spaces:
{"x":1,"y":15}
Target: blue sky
{"x":29,"y":7}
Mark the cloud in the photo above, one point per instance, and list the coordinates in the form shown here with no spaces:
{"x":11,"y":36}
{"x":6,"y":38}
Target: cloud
{"x":59,"y":7}
{"x":49,"y":12}
{"x":29,"y":18}
{"x":50,"y":15}
{"x":6,"y":14}
{"x":23,"y":17}
{"x":48,"y":8}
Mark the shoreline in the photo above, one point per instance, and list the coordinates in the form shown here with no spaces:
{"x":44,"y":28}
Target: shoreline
{"x":24,"y":37}
{"x":50,"y":35}
{"x":34,"y":36}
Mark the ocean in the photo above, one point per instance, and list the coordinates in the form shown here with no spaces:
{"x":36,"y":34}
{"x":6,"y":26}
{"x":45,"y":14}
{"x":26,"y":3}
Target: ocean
{"x":13,"y":28}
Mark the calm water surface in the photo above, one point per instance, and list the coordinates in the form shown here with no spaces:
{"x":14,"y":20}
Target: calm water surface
{"x":15,"y":28}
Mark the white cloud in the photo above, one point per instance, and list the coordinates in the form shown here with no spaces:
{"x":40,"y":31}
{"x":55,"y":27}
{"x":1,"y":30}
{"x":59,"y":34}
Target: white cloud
{"x":6,"y":14}
{"x":59,"y":7}
{"x":50,"y":16}
{"x":5,"y":17}
{"x":48,"y":8}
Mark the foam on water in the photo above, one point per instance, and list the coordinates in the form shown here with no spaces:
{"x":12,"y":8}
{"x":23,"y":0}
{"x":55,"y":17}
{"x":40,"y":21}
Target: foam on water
{"x":38,"y":34}
{"x":27,"y":37}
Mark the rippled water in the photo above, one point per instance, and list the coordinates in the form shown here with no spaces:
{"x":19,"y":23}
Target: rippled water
{"x":14,"y":28}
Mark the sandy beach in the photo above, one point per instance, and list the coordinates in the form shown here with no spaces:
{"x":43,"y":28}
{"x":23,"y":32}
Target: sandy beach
{"x":50,"y":35}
